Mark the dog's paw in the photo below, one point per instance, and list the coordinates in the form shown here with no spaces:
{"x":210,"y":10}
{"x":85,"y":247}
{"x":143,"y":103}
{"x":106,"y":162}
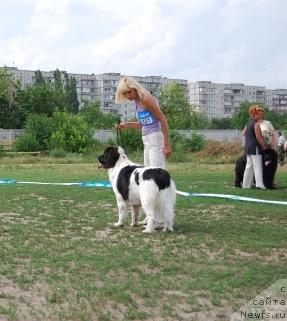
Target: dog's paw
{"x":168,"y":229}
{"x":118,"y":224}
{"x":134,"y":225}
{"x":147,"y":231}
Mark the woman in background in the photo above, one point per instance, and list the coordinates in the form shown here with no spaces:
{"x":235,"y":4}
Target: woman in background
{"x":254,"y":146}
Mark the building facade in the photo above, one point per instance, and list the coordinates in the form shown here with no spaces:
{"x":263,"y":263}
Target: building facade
{"x":279,"y":100}
{"x":101,"y":88}
{"x":215,"y":100}
{"x":221,"y":100}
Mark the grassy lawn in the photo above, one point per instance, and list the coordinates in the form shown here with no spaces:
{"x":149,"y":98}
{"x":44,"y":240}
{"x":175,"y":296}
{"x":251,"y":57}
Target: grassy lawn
{"x":62,"y":259}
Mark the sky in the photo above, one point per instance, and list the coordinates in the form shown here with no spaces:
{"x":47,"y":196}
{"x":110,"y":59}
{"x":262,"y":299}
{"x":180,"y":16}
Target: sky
{"x":223,"y":41}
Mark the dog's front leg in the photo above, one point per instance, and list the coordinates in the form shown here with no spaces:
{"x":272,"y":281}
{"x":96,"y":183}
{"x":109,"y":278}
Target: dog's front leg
{"x":150,"y":224}
{"x":122,"y":208}
{"x":135,"y":215}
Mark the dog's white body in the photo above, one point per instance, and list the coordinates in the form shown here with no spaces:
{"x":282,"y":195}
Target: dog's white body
{"x":148,"y":188}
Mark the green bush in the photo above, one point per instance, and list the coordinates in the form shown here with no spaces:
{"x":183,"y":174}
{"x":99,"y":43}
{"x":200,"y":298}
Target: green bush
{"x":177,"y":141}
{"x":131,"y":139}
{"x":181,"y":144}
{"x":195,"y":143}
{"x":27,"y":143}
{"x":42,"y":127}
{"x":72,"y":133}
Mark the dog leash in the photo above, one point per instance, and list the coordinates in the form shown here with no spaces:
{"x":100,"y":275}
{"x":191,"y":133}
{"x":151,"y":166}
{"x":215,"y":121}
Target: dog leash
{"x":120,"y":141}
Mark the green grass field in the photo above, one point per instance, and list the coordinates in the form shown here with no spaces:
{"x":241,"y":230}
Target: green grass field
{"x":62,"y":259}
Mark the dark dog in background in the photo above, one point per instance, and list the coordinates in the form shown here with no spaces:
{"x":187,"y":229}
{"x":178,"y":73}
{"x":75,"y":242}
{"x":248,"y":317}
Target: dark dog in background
{"x":239,"y":170}
{"x":269,"y":167}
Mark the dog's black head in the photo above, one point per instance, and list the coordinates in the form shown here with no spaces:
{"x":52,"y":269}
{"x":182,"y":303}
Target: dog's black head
{"x":110,"y":157}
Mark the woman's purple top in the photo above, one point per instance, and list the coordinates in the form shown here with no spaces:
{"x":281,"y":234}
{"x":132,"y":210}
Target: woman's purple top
{"x":149,"y":123}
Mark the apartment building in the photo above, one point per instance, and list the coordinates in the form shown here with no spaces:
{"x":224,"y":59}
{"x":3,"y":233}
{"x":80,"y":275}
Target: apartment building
{"x":101,"y":88}
{"x":215,"y":100}
{"x":279,"y":100}
{"x":221,"y":100}
{"x":207,"y":98}
{"x":85,"y":83}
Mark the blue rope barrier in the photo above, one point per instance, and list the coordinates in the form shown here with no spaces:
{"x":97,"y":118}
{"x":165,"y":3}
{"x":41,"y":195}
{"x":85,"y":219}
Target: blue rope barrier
{"x":231,"y":197}
{"x":107,"y":184}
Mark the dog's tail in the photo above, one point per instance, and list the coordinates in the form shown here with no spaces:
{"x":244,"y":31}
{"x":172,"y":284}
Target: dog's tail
{"x":167,"y":199}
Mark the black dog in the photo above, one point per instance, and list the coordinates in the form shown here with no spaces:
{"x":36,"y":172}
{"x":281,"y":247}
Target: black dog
{"x":239,"y":170}
{"x":269,"y":167}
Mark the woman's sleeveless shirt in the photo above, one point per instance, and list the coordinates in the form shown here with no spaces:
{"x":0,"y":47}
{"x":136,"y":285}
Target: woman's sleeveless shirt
{"x":149,"y":123}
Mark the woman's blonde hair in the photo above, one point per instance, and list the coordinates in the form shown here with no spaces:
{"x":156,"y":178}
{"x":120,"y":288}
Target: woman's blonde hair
{"x":254,"y":110}
{"x":126,"y":84}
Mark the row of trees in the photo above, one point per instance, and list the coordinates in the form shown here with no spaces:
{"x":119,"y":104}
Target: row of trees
{"x":49,"y":112}
{"x":60,"y":95}
{"x":44,"y":98}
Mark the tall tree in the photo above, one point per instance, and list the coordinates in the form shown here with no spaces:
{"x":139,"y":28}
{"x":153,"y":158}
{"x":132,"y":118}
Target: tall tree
{"x":175,"y":105}
{"x":39,"y":99}
{"x":241,"y":115}
{"x":39,"y":79}
{"x":199,"y":120}
{"x":12,"y":114}
{"x":59,"y":93}
{"x":279,"y":121}
{"x":96,"y":119}
{"x":71,"y":94}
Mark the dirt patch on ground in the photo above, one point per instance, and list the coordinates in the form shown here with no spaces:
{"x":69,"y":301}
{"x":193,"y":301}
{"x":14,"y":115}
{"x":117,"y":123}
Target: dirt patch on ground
{"x":35,"y":304}
{"x":31,"y":304}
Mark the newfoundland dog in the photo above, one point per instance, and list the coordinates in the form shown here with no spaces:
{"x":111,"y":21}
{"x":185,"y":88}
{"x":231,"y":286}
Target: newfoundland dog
{"x":149,"y":188}
{"x":269,"y":167}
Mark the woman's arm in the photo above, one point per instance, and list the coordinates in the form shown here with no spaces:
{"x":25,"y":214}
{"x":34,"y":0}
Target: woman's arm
{"x":129,"y":124}
{"x":259,"y":136}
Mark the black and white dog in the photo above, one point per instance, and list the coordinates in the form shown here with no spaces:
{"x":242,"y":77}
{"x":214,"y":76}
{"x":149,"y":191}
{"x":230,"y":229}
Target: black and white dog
{"x":149,"y":188}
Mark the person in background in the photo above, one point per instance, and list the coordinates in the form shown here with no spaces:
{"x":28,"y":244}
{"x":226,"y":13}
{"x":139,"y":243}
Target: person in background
{"x":151,"y":121}
{"x":254,"y":145}
{"x":281,"y":152}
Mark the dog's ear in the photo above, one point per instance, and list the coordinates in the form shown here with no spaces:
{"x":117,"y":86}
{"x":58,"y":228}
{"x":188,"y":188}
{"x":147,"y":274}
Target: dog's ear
{"x":112,"y":155}
{"x":121,"y":151}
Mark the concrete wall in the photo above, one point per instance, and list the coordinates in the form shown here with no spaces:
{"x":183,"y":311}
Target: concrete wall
{"x":220,"y":135}
{"x":7,"y":136}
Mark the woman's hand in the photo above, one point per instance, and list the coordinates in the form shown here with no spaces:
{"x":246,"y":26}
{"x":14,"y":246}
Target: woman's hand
{"x":167,"y":151}
{"x":120,"y":126}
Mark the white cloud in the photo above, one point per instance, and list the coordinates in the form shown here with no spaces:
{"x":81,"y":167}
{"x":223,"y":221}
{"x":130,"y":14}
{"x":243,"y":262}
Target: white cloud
{"x":221,"y":40}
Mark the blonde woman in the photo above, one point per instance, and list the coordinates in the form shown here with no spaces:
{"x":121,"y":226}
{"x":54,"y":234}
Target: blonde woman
{"x":254,"y":146}
{"x":151,"y":121}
